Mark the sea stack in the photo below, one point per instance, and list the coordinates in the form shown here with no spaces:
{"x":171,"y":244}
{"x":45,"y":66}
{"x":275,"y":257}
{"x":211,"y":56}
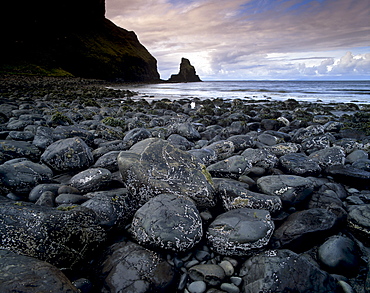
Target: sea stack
{"x":186,"y":74}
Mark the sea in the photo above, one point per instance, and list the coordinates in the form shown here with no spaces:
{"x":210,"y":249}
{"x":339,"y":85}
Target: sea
{"x":311,"y":91}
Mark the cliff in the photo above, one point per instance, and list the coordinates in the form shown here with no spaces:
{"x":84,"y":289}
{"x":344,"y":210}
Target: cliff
{"x":186,"y":74}
{"x":70,"y":37}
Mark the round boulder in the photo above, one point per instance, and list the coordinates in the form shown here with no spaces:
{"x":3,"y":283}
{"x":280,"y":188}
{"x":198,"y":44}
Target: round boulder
{"x":154,"y":166}
{"x":130,"y":268}
{"x":67,"y":155}
{"x":340,"y":255}
{"x":240,"y":231}
{"x":168,"y":221}
{"x":278,"y":270}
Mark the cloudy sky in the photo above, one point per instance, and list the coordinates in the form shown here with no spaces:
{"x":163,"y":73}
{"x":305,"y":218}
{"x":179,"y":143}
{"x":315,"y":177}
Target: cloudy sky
{"x":252,"y":39}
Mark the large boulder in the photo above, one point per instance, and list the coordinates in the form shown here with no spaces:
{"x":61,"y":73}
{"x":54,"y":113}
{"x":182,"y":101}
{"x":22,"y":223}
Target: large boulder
{"x":153,"y":166}
{"x":21,"y":176}
{"x":241,"y":231}
{"x":303,"y":229}
{"x":19,"y":273}
{"x":130,"y":268}
{"x":169,"y":222}
{"x":67,"y":155}
{"x":62,"y":238}
{"x":284,"y":271}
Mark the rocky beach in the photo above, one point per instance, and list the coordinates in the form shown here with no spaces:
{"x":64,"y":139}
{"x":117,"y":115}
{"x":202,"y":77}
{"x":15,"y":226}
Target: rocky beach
{"x":102,"y":191}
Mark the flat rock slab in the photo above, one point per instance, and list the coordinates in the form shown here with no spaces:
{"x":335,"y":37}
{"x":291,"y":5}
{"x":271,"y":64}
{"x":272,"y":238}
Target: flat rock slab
{"x":277,"y":270}
{"x":168,"y":221}
{"x":153,"y":166}
{"x":238,"y":232}
{"x":350,"y":176}
{"x":19,"y":273}
{"x":21,"y":176}
{"x":11,"y":149}
{"x":234,"y":194}
{"x":299,"y":164}
{"x":291,"y":189}
{"x":303,"y":229}
{"x":130,"y":268}
{"x":61,"y":238}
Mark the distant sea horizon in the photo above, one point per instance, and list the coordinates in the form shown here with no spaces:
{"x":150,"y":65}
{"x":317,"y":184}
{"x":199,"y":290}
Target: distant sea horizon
{"x":351,"y":91}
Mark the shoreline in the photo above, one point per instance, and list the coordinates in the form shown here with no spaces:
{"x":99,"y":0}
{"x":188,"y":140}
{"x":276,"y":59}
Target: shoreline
{"x":104,"y":165}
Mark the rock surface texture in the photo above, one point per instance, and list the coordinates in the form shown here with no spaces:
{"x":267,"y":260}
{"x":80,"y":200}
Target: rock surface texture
{"x":104,"y":191}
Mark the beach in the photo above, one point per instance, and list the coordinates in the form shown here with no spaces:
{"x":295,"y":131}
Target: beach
{"x":115,"y":191}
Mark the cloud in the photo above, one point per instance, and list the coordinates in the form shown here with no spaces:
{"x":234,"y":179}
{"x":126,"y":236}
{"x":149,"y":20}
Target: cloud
{"x":241,"y":38}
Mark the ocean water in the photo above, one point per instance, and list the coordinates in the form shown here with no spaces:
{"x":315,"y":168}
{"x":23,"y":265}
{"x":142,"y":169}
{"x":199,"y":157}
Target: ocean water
{"x":312,"y":91}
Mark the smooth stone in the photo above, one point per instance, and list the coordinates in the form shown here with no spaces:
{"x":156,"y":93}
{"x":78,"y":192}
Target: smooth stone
{"x":168,"y":221}
{"x":92,"y":179}
{"x":68,"y":189}
{"x":356,"y":155}
{"x":197,"y":287}
{"x":240,"y":231}
{"x":66,"y":198}
{"x":340,"y":255}
{"x":38,"y":190}
{"x":236,"y":280}
{"x":229,"y":288}
{"x":227,"y":267}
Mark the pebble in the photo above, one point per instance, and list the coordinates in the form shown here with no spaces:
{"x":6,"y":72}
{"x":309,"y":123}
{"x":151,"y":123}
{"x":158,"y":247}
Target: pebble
{"x":197,"y":287}
{"x":230,"y":288}
{"x":227,"y":267}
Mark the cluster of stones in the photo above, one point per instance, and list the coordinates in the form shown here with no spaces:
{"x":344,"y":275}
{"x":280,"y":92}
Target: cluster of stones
{"x":213,"y":196}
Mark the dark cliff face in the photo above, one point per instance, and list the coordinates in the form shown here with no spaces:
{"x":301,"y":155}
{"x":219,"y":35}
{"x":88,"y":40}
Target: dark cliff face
{"x":186,"y":74}
{"x":71,"y":36}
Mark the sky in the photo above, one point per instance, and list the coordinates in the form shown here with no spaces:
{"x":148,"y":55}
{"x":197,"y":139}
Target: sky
{"x":253,"y":39}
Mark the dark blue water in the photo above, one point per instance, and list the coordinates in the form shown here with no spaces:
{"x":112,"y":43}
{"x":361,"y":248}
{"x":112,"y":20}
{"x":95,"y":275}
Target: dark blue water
{"x":313,"y":91}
